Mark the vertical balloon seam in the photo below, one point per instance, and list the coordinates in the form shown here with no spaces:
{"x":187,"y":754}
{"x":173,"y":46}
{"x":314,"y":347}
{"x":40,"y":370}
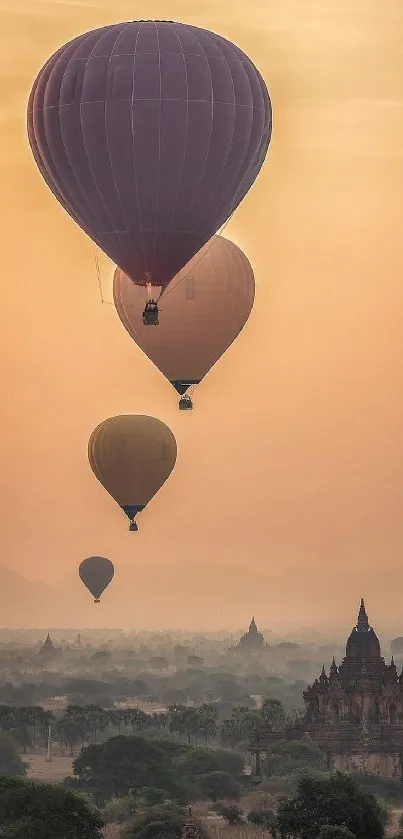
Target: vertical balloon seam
{"x":170,"y":225}
{"x":87,"y":202}
{"x":143,"y":248}
{"x":250,"y":129}
{"x":124,"y":219}
{"x":224,"y":163}
{"x":211,"y":123}
{"x":90,"y":168}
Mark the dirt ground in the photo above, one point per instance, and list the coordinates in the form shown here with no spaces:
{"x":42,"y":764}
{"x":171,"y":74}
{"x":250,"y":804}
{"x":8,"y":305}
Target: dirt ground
{"x":50,"y":773}
{"x":112,"y":831}
{"x":394,"y":822}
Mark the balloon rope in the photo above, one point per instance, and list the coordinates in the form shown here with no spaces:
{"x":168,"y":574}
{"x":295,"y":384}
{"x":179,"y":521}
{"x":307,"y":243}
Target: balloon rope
{"x":98,"y":272}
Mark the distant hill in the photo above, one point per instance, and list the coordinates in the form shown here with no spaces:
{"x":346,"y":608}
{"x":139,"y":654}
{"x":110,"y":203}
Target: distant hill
{"x":140,"y":597}
{"x":22,"y":602}
{"x":187,"y":596}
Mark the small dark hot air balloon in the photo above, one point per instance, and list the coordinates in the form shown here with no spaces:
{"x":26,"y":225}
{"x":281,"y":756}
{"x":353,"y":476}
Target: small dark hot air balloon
{"x":204,"y":309}
{"x":132,"y":456}
{"x":150,"y":134}
{"x":96,"y":572}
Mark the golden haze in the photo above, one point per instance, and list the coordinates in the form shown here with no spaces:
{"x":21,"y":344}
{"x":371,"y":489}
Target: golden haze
{"x":291,"y":463}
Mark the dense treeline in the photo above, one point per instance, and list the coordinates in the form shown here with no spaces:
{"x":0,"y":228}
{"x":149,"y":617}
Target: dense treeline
{"x":156,"y":770}
{"x":330,"y":808}
{"x":78,"y":725}
{"x":192,"y":685}
{"x":145,"y":784}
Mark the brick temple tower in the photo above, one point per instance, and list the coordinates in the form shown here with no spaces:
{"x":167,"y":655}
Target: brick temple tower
{"x":355,"y":714}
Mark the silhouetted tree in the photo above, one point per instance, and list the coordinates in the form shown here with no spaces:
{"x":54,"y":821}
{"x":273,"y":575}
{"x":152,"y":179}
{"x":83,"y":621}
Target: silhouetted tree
{"x":334,"y":800}
{"x":10,"y":761}
{"x":45,"y":812}
{"x":124,"y":763}
{"x":217,"y":786}
{"x":69,"y":733}
{"x":232,"y":814}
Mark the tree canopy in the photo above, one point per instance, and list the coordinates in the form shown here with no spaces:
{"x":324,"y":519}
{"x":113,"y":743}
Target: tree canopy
{"x":10,"y":760}
{"x":287,"y":756}
{"x":198,"y":761}
{"x":160,"y":822}
{"x":165,"y":821}
{"x":334,"y":800}
{"x":218,"y":786}
{"x":130,"y":764}
{"x":45,"y":811}
{"x":123,"y":763}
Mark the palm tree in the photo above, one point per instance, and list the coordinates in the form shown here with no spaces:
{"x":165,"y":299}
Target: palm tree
{"x":137,"y":719}
{"x":160,"y":720}
{"x":240,"y":726}
{"x":117,"y":718}
{"x":77,"y":713}
{"x":208,"y":721}
{"x":68,"y":732}
{"x":96,"y":719}
{"x":7,"y":717}
{"x":176,"y":717}
{"x":23,"y":721}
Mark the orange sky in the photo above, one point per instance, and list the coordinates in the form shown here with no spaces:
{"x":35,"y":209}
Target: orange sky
{"x":291,"y":464}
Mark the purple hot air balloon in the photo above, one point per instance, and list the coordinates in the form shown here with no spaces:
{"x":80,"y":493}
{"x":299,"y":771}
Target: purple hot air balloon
{"x":150,"y":134}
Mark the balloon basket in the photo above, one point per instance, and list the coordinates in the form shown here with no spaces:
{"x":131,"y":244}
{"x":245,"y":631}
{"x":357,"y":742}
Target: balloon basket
{"x":185,"y":404}
{"x":133,"y":527}
{"x":150,"y":314}
{"x":97,"y":600}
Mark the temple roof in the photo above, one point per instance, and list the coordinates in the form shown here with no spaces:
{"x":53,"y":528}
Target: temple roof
{"x":252,"y":637}
{"x":362,"y":642}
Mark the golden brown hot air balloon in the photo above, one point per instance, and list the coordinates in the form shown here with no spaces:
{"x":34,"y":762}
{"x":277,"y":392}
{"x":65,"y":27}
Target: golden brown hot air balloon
{"x":132,"y":456}
{"x":96,"y":572}
{"x":201,"y":313}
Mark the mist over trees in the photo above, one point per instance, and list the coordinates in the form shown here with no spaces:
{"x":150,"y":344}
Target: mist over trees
{"x":154,"y":721}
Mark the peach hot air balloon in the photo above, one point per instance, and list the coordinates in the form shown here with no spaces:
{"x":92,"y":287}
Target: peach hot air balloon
{"x":204,"y":309}
{"x":132,"y":456}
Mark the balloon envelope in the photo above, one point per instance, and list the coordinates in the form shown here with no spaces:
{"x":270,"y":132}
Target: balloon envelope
{"x":150,"y":134}
{"x":132,"y":456}
{"x":96,"y":572}
{"x":203,"y":311}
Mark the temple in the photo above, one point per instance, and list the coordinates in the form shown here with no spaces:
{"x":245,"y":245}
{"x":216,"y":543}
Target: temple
{"x":47,"y":650}
{"x":354,"y":713}
{"x":190,"y":830}
{"x":252,"y":640}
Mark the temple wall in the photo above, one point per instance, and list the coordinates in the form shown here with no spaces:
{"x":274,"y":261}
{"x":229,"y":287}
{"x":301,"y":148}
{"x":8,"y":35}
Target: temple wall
{"x":255,"y":763}
{"x":379,"y":764}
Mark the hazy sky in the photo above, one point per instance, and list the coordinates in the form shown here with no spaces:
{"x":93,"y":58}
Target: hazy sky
{"x":291,"y":464}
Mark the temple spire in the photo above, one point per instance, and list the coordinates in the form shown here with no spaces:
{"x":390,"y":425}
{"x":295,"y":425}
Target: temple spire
{"x":362,"y":622}
{"x":190,"y":830}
